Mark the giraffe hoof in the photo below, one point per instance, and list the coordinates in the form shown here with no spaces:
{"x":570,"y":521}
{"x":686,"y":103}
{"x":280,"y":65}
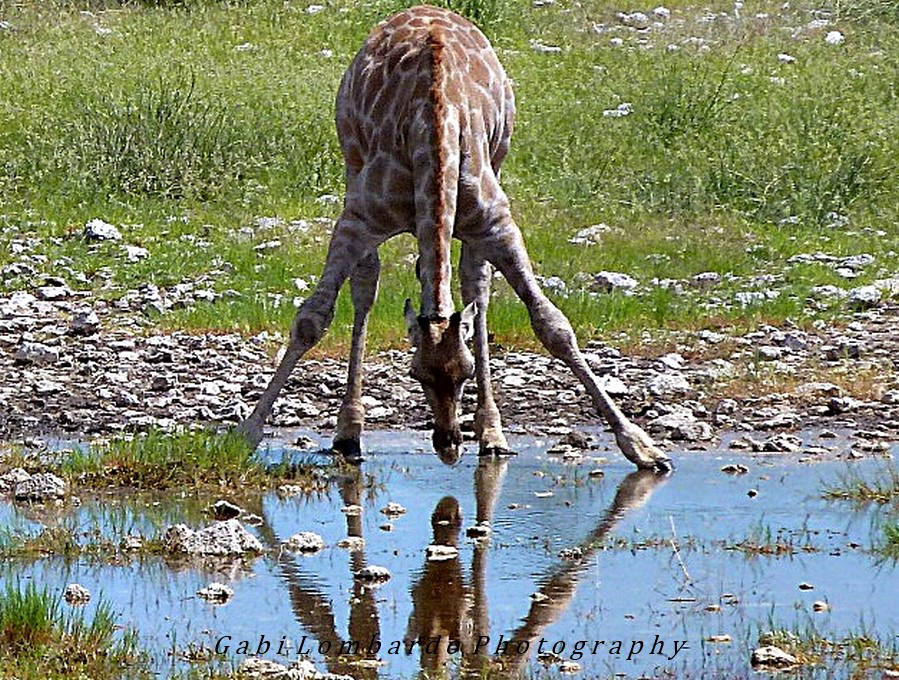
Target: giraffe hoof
{"x":251,"y":431}
{"x":350,"y":449}
{"x":664,"y":465}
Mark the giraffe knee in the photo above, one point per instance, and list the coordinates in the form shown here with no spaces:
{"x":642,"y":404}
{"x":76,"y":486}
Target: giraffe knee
{"x":555,"y":332}
{"x":308,"y":328}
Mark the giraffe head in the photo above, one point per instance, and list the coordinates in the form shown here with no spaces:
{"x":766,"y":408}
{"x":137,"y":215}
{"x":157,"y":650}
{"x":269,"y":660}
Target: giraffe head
{"x":442,"y":363}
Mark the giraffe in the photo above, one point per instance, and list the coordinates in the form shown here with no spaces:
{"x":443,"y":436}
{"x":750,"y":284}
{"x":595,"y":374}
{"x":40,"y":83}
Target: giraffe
{"x":424,"y":117}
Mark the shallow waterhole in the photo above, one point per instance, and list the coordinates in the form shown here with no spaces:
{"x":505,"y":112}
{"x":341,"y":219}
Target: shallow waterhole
{"x":571,"y":557}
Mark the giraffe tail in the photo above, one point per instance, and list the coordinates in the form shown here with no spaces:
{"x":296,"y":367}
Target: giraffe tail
{"x":435,"y":165}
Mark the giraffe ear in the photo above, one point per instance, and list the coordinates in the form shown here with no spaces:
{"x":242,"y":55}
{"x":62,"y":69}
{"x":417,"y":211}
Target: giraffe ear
{"x":465,"y":321}
{"x":412,"y":325}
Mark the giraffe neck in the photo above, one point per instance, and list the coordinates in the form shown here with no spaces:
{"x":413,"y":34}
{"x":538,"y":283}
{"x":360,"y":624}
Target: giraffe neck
{"x":435,"y":275}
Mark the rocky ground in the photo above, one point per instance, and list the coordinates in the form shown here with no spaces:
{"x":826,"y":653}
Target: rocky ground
{"x":75,"y":365}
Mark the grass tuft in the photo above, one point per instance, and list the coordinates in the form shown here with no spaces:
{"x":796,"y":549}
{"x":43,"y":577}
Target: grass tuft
{"x":163,"y":460}
{"x":854,"y":487}
{"x":38,"y":638}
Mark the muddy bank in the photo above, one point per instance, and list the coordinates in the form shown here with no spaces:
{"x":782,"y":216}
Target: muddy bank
{"x":72,"y":364}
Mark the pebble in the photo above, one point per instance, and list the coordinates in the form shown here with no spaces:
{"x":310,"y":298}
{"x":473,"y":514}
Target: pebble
{"x":75,"y":593}
{"x":614,"y":281}
{"x":305,"y":542}
{"x":98,"y":230}
{"x":223,"y":538}
{"x":393,"y":509}
{"x":439,"y":553}
{"x":41,"y":487}
{"x":224,"y":510}
{"x":372,"y":574}
{"x":479,"y":530}
{"x":352,"y":543}
{"x":772,"y":657}
{"x":216,"y":592}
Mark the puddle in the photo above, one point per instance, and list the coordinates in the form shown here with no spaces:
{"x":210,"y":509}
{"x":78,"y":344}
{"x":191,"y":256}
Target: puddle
{"x":571,"y":558}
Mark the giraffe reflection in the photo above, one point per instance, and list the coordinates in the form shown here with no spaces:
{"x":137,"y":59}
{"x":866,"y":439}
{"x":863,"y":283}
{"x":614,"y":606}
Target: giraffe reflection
{"x":313,"y":609}
{"x":445,"y":603}
{"x":445,"y":606}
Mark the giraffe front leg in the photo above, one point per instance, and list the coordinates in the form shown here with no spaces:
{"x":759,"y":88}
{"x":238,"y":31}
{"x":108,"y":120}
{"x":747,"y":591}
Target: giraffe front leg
{"x":351,"y":419}
{"x":505,"y":249}
{"x":475,"y":274}
{"x":349,"y":243}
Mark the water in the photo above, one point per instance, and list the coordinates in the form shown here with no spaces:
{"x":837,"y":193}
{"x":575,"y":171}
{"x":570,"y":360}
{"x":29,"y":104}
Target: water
{"x":619,"y":577}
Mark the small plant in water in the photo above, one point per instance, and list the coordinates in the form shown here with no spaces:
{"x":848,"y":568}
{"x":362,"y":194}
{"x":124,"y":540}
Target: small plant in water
{"x":883,"y":489}
{"x":162,"y":460}
{"x":39,"y":639}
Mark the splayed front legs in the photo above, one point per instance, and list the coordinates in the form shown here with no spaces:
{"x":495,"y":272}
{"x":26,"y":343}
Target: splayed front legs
{"x":351,"y":419}
{"x":475,"y":272}
{"x":350,"y":242}
{"x":505,"y":249}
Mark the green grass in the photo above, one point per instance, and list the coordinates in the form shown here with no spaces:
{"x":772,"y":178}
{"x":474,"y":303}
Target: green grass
{"x":882,"y":488}
{"x":183,"y":122}
{"x":858,"y":652}
{"x":40,"y":639}
{"x":890,"y":546}
{"x":160,"y":460}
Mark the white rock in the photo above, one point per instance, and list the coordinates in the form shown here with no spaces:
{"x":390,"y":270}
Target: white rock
{"x":98,"y":230}
{"x":670,"y":421}
{"x":786,"y":58}
{"x":54,"y":292}
{"x":223,"y":510}
{"x":834,"y":38}
{"x":85,"y":322}
{"x":373,"y":574}
{"x":693,"y":432}
{"x":773,"y":657}
{"x":262,"y":669}
{"x":76,"y":593}
{"x":706,"y":280}
{"x":438,"y":553}
{"x":305,"y":542}
{"x":668,"y":384}
{"x":612,"y":281}
{"x":864,"y":297}
{"x":889,"y":287}
{"x":352,"y":543}
{"x":662,"y":12}
{"x":9,"y":480}
{"x":769,"y":353}
{"x":623,"y":109}
{"x":40,"y":487}
{"x":613,"y":386}
{"x":590,"y":235}
{"x":393,"y":509}
{"x":35,"y":353}
{"x":538,"y":46}
{"x":135,"y":253}
{"x":216,"y":592}
{"x":633,"y":19}
{"x":222,"y":538}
